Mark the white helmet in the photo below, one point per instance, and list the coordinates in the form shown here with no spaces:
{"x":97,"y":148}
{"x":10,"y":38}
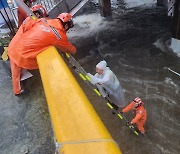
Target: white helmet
{"x":137,"y":102}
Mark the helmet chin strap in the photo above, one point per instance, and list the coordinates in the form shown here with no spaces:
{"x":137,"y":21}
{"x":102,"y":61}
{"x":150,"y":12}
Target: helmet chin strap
{"x":67,"y":25}
{"x":137,"y":105}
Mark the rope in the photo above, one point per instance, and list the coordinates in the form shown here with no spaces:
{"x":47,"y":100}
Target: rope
{"x":174,"y":72}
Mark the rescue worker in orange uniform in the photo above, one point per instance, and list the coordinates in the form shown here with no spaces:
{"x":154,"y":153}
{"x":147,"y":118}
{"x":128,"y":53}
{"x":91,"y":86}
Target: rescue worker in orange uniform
{"x":33,"y":37}
{"x":140,"y":113}
{"x":21,"y":14}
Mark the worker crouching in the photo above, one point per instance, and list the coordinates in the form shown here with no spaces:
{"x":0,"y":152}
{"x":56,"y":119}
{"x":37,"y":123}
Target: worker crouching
{"x":140,"y":113}
{"x":34,"y":37}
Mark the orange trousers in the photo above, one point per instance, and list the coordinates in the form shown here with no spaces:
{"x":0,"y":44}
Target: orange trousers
{"x":140,"y":125}
{"x":16,"y":77}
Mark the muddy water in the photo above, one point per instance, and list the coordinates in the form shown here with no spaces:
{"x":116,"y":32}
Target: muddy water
{"x":136,"y":47}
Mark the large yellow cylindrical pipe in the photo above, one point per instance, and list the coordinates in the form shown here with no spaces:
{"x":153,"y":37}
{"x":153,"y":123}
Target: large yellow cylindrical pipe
{"x":76,"y":125}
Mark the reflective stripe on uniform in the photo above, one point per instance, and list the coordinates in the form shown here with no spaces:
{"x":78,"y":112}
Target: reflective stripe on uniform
{"x":56,"y":32}
{"x":53,"y":29}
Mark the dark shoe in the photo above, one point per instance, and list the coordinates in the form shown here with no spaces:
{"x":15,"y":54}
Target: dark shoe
{"x":116,"y":107}
{"x":113,"y":112}
{"x":22,"y":93}
{"x":142,"y":133}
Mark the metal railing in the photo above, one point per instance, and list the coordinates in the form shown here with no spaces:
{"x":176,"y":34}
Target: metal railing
{"x":47,"y":4}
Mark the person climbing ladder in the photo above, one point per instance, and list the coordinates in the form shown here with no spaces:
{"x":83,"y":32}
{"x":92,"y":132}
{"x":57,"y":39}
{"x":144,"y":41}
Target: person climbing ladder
{"x":140,"y":113}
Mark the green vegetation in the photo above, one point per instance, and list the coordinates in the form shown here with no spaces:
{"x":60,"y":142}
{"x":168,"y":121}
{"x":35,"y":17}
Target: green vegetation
{"x":5,"y":41}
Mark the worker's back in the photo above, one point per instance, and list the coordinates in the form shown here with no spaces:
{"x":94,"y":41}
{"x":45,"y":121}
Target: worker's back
{"x":29,"y":42}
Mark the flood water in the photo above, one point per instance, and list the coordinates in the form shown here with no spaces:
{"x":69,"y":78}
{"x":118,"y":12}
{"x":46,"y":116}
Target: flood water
{"x":135,"y":45}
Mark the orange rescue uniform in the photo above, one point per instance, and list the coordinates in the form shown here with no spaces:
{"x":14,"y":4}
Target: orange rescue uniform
{"x":32,"y":38}
{"x":140,"y":115}
{"x":21,"y":16}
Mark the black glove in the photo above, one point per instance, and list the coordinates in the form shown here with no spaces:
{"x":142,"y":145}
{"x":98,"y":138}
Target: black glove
{"x":128,"y":123}
{"x":121,"y":112}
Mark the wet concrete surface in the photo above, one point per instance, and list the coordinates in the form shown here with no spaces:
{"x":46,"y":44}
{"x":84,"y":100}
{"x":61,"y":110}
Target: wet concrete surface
{"x":127,"y":44}
{"x":25,"y":125}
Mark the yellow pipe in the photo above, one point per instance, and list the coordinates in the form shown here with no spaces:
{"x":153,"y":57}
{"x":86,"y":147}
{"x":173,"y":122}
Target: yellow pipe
{"x":77,"y":127}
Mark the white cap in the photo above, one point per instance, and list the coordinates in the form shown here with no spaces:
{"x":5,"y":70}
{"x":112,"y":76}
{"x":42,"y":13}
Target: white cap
{"x":102,"y":65}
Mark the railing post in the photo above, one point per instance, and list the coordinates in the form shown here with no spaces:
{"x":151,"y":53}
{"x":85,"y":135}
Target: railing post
{"x":175,"y":42}
{"x":105,"y":8}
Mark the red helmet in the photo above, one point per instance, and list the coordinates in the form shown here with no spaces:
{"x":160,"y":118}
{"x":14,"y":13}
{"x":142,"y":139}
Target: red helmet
{"x":65,"y":17}
{"x":137,"y":102}
{"x":66,"y":20}
{"x":40,"y":10}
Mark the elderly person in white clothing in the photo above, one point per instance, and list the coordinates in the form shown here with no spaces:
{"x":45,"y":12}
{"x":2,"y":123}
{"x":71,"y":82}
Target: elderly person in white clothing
{"x":108,"y":84}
